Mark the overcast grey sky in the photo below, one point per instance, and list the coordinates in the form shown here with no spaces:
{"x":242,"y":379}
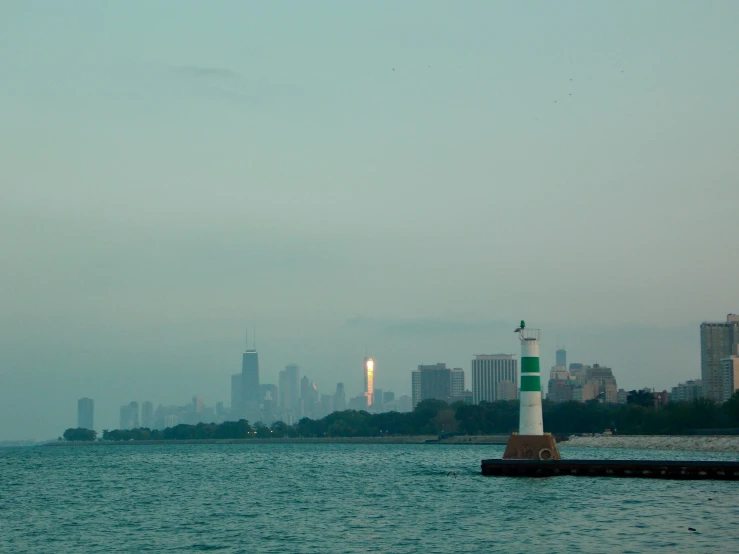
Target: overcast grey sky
{"x":411,"y":176}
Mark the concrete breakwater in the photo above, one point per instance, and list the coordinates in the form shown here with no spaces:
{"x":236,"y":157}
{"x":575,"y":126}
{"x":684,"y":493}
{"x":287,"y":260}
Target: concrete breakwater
{"x":696,"y":443}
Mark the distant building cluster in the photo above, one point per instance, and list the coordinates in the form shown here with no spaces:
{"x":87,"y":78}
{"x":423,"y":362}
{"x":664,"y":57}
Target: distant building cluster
{"x":438,"y":382}
{"x":719,"y":373}
{"x":131,"y":417}
{"x":582,"y":383}
{"x":296,"y":397}
{"x":689,"y":391}
{"x":719,"y":365}
{"x":494,"y":377}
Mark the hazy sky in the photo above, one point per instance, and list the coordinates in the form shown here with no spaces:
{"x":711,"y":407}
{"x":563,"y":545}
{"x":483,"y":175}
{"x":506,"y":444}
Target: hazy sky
{"x":411,"y":176}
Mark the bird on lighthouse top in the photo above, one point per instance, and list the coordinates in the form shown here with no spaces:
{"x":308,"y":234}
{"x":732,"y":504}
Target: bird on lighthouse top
{"x":520,"y":327}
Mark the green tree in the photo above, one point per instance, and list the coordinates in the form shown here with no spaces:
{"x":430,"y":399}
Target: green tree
{"x":280,"y":429}
{"x":470,"y":418}
{"x":643,"y":398}
{"x":431,"y":416}
{"x":731,"y":410}
{"x":79,"y":434}
{"x":262,"y":431}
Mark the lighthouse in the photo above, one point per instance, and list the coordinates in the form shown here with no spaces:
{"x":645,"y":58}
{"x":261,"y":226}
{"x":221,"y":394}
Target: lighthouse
{"x":530,"y":420}
{"x":530,"y":443}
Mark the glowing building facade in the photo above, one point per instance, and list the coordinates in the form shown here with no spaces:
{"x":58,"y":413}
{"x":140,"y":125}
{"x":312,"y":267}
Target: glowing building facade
{"x":369,"y":379}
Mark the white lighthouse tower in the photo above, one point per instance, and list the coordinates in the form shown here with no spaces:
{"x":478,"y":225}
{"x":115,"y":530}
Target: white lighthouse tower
{"x":530,"y":421}
{"x":530,"y":443}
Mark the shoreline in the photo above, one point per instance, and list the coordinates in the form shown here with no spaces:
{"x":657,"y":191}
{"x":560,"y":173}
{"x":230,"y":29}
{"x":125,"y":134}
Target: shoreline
{"x":417,"y":439}
{"x":695,"y":443}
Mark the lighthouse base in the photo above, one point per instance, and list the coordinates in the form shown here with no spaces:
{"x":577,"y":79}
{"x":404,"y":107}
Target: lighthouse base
{"x":531,"y":447}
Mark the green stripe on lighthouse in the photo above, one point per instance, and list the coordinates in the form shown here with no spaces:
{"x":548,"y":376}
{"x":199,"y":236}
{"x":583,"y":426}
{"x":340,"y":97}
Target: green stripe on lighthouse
{"x":530,"y":383}
{"x":529,"y":365}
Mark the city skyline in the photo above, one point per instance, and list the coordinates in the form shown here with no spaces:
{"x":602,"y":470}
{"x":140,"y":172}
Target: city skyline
{"x":287,"y":168}
{"x":383,"y":191}
{"x":493,"y":377}
{"x":401,"y":390}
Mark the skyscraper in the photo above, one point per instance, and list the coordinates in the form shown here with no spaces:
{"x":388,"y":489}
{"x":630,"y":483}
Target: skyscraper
{"x":457,"y":382}
{"x":358,"y":403}
{"x":718,"y":340}
{"x":339,"y":398}
{"x":432,"y":382}
{"x":415,"y":388}
{"x":309,"y":398}
{"x":290,"y":390}
{"x":326,"y":404}
{"x":561,"y":357}
{"x":236,"y":408}
{"x":729,"y":377}
{"x":85,"y":407}
{"x":377,"y":401}
{"x":559,"y":388}
{"x":405,"y":403}
{"x":250,"y":376}
{"x":249,"y":404}
{"x":198,"y":410}
{"x":284,"y":393}
{"x":487,"y":371}
{"x":270,"y":394}
{"x":369,"y":379}
{"x":130,"y":416}
{"x":220,"y":412}
{"x":147,"y":415}
{"x":267,"y":389}
{"x":604,"y":381}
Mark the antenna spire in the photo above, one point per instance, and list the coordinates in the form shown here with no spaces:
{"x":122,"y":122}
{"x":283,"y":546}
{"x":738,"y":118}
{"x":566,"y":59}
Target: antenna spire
{"x":247,"y":339}
{"x":255,"y":336}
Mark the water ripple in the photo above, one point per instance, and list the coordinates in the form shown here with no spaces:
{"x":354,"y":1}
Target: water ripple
{"x":341,"y":498}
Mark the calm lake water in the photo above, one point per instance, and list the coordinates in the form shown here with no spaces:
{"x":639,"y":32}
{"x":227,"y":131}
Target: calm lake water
{"x":345,"y":498}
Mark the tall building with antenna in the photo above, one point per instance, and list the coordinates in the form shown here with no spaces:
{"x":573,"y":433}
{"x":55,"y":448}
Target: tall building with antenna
{"x":250,"y":373}
{"x":245,"y":391}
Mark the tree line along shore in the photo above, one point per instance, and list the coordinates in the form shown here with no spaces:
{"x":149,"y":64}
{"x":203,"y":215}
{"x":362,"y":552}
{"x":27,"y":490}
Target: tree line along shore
{"x":439,"y":420}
